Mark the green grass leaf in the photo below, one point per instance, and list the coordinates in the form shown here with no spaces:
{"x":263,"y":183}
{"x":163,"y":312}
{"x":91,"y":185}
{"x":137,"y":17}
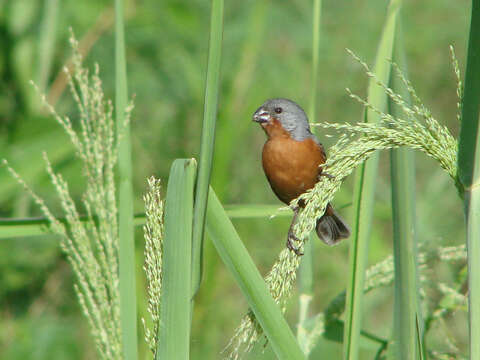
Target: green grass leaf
{"x":208,"y":139}
{"x":240,"y":264}
{"x":469,"y":174}
{"x":11,"y":228}
{"x":176,"y":308}
{"x":128,"y":300}
{"x":402,"y":174}
{"x":364,"y":193}
{"x":306,"y":266}
{"x":46,"y":48}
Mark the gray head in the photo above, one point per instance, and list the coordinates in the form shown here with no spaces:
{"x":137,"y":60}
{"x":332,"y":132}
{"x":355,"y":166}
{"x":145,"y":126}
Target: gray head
{"x":290,"y":115}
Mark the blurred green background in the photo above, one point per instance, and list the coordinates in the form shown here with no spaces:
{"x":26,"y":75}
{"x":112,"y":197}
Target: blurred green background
{"x":267,"y":53}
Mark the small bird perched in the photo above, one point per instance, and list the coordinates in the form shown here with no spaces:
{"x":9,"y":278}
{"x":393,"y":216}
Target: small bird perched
{"x":291,"y":158}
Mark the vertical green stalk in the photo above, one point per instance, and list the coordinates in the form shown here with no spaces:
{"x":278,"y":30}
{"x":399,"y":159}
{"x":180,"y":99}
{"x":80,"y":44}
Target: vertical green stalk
{"x":306,"y":293}
{"x":128,"y":305}
{"x":469,"y":174}
{"x":175,"y":307}
{"x":312,"y":110}
{"x":364,"y":194}
{"x":231,"y":133}
{"x":46,"y":43}
{"x":238,"y":261}
{"x":208,"y":139}
{"x":402,"y":167}
{"x":306,"y":266}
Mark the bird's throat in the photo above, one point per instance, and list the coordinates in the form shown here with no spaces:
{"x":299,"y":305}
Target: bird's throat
{"x":274,"y":129}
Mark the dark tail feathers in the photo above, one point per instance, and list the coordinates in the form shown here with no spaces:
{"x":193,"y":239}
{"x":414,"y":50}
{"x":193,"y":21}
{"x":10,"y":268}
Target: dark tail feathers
{"x":331,"y":228}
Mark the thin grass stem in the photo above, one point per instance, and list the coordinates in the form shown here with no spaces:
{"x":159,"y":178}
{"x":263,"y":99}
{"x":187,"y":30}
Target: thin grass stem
{"x":128,"y":301}
{"x":306,"y":266}
{"x":46,"y":44}
{"x":208,"y":139}
{"x":469,"y":174}
{"x":407,"y":314}
{"x":38,"y":226}
{"x":364,"y":193}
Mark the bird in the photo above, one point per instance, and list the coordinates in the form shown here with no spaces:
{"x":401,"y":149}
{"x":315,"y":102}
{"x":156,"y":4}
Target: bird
{"x":291,"y":159}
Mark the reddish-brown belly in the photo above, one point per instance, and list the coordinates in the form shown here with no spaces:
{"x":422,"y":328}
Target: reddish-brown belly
{"x":291,"y":166}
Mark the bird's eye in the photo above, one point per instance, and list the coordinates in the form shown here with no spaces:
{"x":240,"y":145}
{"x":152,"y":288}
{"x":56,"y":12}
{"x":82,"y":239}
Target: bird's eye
{"x":278,"y":110}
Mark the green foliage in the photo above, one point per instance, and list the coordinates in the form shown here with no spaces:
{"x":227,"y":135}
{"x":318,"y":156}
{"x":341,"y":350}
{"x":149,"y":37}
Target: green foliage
{"x":364,"y":192}
{"x":388,"y":133}
{"x":126,"y":258}
{"x":175,"y":306}
{"x":208,"y":139}
{"x":91,"y":244}
{"x":267,"y":52}
{"x":469,"y":173}
{"x":269,"y":315}
{"x":408,"y":320}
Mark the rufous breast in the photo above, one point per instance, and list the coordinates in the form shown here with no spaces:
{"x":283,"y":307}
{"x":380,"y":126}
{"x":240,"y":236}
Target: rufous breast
{"x":291,"y":166}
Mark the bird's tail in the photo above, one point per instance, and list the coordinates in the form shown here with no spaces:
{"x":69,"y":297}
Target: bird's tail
{"x":331,"y":228}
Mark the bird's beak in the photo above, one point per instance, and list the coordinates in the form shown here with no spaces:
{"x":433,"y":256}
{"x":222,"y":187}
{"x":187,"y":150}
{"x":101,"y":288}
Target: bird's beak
{"x":261,"y":116}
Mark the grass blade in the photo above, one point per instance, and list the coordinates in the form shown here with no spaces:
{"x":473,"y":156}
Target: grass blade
{"x":364,"y":194}
{"x":128,"y":301}
{"x":402,"y":167}
{"x":469,"y":173}
{"x":312,"y":111}
{"x":306,"y":293}
{"x":306,"y":266}
{"x":238,"y":261}
{"x":47,"y":43}
{"x":208,"y":139}
{"x":11,"y":228}
{"x":175,"y":308}
{"x":469,"y":126}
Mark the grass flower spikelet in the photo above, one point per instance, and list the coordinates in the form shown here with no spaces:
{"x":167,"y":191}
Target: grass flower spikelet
{"x":153,"y":233}
{"x":417,"y":130}
{"x":91,"y":245}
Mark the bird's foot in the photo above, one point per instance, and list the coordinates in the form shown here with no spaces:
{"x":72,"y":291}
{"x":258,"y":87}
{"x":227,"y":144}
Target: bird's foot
{"x":328,"y":176}
{"x":290,"y":246}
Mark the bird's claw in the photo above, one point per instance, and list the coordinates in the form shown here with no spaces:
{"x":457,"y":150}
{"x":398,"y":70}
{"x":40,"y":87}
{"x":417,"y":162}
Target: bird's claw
{"x":290,"y":245}
{"x":328,"y":176}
